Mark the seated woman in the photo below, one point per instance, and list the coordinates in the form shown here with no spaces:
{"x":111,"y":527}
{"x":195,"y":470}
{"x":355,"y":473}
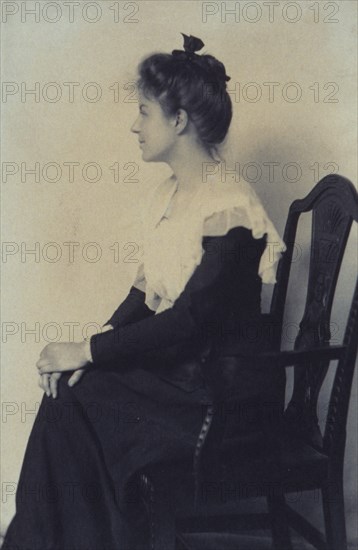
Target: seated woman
{"x":142,"y":384}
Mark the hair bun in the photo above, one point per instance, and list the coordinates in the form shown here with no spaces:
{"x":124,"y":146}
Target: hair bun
{"x":216,"y":67}
{"x":193,"y":44}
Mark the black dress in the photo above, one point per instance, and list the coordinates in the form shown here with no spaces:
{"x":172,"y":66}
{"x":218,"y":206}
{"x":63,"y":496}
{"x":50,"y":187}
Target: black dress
{"x":142,"y":401}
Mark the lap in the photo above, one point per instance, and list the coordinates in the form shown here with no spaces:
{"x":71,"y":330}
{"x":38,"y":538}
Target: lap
{"x":136,"y":418}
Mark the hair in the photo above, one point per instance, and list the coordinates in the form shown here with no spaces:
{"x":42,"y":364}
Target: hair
{"x":197,"y":85}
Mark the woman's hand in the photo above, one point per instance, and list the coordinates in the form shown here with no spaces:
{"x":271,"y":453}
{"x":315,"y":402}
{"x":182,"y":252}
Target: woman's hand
{"x":55,"y":359}
{"x":49,"y":382}
{"x":59,"y":357}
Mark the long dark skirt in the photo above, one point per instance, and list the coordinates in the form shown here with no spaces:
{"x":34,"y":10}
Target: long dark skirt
{"x":83,"y":451}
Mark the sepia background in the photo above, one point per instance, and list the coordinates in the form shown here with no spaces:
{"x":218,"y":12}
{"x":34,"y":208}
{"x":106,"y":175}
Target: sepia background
{"x":70,"y":228}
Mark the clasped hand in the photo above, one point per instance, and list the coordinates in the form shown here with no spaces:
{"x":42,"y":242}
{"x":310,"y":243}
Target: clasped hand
{"x":59,"y":357}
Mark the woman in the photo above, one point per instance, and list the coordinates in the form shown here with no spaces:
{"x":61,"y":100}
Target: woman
{"x":142,"y":383}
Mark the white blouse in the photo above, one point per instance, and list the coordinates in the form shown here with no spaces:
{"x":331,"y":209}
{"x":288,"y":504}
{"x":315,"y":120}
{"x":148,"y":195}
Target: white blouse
{"x":172,"y":247}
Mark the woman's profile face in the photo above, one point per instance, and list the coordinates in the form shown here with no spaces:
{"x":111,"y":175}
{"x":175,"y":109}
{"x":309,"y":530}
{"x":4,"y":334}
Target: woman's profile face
{"x":156,"y":132}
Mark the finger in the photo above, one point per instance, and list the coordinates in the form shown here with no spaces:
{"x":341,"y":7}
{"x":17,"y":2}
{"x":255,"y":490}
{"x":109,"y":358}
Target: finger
{"x":49,"y":368}
{"x":44,"y":370}
{"x":77,"y":375}
{"x":54,"y":378}
{"x":42,"y":362}
{"x":45,"y":384}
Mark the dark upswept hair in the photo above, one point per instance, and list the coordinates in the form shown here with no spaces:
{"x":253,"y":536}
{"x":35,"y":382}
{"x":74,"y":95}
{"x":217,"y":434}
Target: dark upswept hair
{"x":197,"y":85}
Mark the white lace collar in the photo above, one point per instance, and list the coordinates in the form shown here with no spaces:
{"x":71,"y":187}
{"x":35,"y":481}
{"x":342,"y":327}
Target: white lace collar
{"x":173,"y":247}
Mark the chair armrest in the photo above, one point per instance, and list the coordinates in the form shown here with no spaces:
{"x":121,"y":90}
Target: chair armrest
{"x":295,"y":357}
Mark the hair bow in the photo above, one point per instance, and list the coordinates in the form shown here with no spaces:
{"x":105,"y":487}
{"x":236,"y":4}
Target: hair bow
{"x":191,"y":45}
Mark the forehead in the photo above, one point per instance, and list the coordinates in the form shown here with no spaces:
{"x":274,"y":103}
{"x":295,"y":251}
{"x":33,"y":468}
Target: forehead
{"x":150,"y":105}
{"x":145,"y":100}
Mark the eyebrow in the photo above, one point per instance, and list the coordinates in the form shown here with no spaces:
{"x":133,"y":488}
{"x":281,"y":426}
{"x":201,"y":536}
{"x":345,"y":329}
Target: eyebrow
{"x":142,"y":105}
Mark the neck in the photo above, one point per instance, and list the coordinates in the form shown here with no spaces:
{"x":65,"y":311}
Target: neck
{"x":190,"y":166}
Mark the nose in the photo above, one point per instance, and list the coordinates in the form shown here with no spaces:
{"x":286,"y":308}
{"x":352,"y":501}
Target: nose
{"x":135,"y":126}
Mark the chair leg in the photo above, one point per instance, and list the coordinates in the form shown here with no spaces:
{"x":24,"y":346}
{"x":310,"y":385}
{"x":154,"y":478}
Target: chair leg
{"x":333,"y":509}
{"x":281,"y":537}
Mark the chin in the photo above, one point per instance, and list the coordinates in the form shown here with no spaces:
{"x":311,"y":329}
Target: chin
{"x":147,"y":157}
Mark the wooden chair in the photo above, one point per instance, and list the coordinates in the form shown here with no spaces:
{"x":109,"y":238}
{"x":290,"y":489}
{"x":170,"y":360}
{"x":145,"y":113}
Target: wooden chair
{"x":201,"y":497}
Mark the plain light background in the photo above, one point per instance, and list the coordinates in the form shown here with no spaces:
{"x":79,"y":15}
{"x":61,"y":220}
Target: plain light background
{"x":313,"y":135}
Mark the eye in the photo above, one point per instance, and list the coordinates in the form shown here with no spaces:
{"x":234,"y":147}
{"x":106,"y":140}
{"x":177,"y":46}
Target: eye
{"x":142,"y":110}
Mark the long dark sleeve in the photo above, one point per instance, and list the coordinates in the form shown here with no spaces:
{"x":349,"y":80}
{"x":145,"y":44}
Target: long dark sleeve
{"x":222,"y":261}
{"x":132,"y":309}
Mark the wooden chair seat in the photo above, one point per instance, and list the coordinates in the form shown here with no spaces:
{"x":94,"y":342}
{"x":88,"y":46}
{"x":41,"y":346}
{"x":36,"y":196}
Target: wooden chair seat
{"x":293,"y":465}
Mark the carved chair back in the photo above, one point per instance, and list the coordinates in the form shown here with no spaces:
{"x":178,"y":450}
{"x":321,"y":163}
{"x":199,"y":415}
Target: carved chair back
{"x":334,"y":206}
